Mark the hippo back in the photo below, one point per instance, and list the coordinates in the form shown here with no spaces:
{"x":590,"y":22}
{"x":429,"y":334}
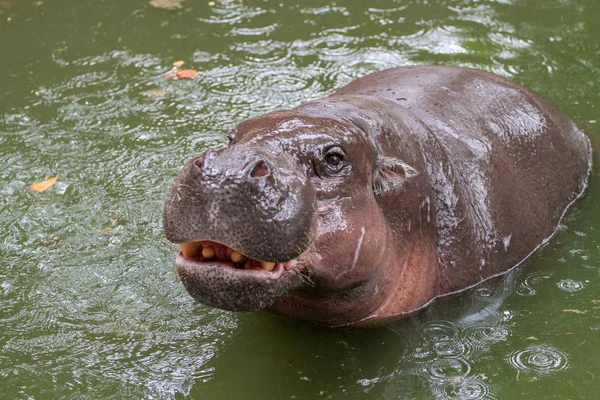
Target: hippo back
{"x":513,"y":163}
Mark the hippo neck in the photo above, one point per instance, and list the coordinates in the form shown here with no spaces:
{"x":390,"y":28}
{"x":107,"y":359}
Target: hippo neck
{"x":406,"y":282}
{"x":414,"y":287}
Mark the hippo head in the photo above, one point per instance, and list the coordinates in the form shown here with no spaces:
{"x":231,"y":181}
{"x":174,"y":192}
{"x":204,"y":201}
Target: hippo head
{"x":286,"y":218}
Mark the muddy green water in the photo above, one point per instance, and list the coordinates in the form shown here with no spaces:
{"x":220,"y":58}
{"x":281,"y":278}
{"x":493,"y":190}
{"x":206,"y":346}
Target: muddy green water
{"x":89,"y":305}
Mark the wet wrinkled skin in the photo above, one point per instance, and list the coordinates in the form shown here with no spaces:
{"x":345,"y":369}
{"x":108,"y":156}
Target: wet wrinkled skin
{"x":405,"y":185}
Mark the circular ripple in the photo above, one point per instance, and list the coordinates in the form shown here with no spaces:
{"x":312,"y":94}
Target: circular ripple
{"x":335,"y":76}
{"x":447,"y":348}
{"x":481,"y":336}
{"x":264,"y":52}
{"x":334,"y":45}
{"x":230,"y":13}
{"x":285,"y":80}
{"x":569,"y":285}
{"x":422,"y":352}
{"x":526,"y":288}
{"x":540,"y":359}
{"x":483,"y":292}
{"x":464,"y":389}
{"x":449,"y":368}
{"x":225,"y":81}
{"x":440,"y":330}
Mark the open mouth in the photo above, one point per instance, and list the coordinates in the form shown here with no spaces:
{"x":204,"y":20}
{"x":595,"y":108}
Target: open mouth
{"x":224,"y":277}
{"x":204,"y":252}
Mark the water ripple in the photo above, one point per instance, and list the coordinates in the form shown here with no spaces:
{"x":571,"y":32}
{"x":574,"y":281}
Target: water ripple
{"x":262,"y":31}
{"x":539,"y":359}
{"x":440,"y":340}
{"x":264,"y":52}
{"x":283,"y":80}
{"x":527,"y":287}
{"x":330,"y":45}
{"x":229,"y":13}
{"x":569,"y":285}
{"x":325,"y":10}
{"x":450,"y":349}
{"x":484,"y":336}
{"x":440,"y":331}
{"x":449,"y":368}
{"x":467,"y":389}
{"x":87,"y":293}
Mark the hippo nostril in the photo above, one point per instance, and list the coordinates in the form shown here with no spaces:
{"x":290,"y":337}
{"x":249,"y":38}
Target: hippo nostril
{"x":205,"y":161}
{"x":260,"y":169}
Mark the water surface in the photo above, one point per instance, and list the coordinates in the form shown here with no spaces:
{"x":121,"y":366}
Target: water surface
{"x":89,"y":304}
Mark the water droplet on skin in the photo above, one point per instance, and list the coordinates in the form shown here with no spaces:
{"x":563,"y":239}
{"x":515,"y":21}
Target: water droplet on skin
{"x":506,"y":242}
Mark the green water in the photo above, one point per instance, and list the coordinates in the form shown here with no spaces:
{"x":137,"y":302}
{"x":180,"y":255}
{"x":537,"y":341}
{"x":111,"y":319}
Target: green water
{"x":89,"y":305}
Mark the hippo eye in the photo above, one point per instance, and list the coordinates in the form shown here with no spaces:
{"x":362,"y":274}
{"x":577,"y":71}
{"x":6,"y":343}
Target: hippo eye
{"x":334,"y":158}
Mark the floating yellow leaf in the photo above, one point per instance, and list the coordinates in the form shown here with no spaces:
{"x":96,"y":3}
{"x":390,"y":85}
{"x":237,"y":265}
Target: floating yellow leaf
{"x":44,"y":185}
{"x":186,"y":73}
{"x":178,"y":63}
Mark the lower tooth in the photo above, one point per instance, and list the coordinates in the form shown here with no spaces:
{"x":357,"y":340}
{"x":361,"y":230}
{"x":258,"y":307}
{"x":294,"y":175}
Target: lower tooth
{"x":208,"y":252}
{"x":237,"y":257}
{"x":269,"y":266}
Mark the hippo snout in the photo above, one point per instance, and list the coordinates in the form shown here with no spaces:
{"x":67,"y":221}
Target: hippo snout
{"x":245,"y":199}
{"x":248,"y":169}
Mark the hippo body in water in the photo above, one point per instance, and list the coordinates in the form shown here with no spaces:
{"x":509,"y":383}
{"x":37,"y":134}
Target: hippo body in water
{"x":364,"y":206}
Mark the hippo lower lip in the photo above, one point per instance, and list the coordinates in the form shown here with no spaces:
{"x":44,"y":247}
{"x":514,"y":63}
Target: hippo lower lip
{"x":246,"y":285}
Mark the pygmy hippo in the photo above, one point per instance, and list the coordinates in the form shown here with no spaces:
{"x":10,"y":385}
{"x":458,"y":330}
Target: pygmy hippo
{"x":364,"y":206}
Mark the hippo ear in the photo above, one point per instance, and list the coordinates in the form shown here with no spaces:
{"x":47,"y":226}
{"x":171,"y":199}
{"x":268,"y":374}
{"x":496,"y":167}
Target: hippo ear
{"x":390,"y":175}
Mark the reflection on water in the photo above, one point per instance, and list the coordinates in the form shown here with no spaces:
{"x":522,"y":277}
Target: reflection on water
{"x":89,"y":305}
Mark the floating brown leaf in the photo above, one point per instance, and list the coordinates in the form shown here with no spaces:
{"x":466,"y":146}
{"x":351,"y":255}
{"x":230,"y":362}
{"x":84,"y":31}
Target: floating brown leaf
{"x":186,"y":73}
{"x":44,"y":185}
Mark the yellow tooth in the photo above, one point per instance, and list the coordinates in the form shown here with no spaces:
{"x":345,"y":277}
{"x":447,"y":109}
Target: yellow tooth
{"x":269,"y":266}
{"x":237,"y":257}
{"x":208,"y":252}
{"x":190,"y":249}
